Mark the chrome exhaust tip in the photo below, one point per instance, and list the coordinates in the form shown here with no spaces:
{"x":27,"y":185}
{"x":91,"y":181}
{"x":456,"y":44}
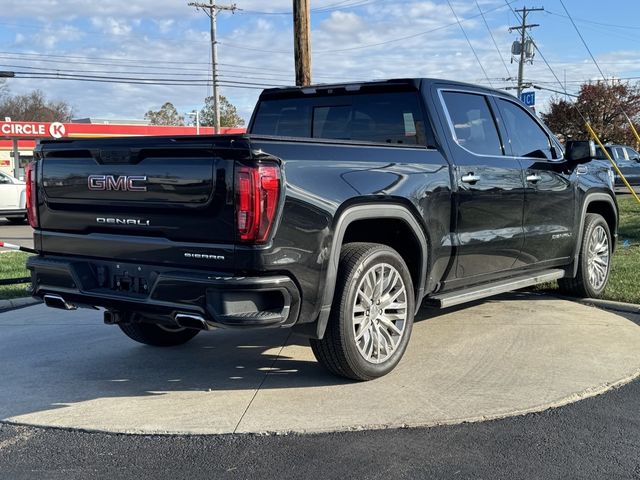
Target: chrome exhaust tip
{"x":191,"y":320}
{"x":56,"y":301}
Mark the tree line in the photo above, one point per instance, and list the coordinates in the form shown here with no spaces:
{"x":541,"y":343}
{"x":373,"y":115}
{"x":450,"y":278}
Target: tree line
{"x":35,"y":107}
{"x":605,"y":105}
{"x":32,"y":107}
{"x":168,"y":114}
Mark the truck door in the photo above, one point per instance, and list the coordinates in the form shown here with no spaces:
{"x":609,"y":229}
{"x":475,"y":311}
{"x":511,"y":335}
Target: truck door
{"x":549,"y":200}
{"x":489,"y":187}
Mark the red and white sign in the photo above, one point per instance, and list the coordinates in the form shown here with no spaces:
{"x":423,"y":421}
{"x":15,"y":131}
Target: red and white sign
{"x":24,"y":129}
{"x":57,"y":130}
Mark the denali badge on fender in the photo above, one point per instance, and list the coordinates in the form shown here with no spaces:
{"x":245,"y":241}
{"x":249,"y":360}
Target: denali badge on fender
{"x":110,"y":182}
{"x":124,"y":221}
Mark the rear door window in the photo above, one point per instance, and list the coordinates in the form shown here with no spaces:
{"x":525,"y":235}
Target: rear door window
{"x":391,"y":118}
{"x":472,"y":122}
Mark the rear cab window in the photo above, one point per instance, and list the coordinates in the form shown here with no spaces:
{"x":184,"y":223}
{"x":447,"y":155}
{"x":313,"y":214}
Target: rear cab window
{"x":472,"y":123}
{"x":393,"y":118}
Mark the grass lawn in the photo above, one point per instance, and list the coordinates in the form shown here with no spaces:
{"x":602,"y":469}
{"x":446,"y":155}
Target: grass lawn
{"x":12,"y":265}
{"x":624,"y":279}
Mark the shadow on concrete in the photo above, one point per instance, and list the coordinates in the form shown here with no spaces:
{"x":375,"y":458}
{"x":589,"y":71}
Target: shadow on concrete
{"x":51,"y":359}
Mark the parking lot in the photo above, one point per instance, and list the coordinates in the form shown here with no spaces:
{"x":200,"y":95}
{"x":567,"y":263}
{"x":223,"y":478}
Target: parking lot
{"x":491,"y":360}
{"x":497,"y":359}
{"x":17,"y":234}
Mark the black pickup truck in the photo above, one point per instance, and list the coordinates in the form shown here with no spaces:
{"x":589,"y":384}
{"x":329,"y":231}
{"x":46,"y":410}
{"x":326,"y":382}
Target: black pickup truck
{"x":342,"y":210}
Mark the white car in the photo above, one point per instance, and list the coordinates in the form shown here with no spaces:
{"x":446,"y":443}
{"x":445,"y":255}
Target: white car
{"x":12,"y":198}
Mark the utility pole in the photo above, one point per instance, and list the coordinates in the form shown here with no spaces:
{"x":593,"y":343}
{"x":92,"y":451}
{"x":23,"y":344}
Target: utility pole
{"x":525,"y":46}
{"x":212,"y":10}
{"x":302,"y":41}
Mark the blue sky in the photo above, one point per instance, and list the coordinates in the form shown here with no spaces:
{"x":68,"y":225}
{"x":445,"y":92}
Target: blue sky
{"x":351,"y":40}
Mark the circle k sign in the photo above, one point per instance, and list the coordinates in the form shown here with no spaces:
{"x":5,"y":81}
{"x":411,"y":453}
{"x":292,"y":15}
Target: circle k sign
{"x":57,"y":130}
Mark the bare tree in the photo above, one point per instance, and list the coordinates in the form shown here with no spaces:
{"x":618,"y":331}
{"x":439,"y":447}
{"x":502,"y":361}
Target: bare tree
{"x":34,"y":107}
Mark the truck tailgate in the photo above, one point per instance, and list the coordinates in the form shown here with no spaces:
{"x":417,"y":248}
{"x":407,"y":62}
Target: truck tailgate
{"x":174,"y":188}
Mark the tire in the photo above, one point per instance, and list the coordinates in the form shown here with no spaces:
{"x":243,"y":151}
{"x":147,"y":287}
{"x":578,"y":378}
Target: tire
{"x":360,"y":342}
{"x":17,"y":220}
{"x":594,"y":260}
{"x":156,"y":335}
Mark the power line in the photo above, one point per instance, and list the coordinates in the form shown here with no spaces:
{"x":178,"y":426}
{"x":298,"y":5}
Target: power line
{"x":138,"y":63}
{"x":583,"y":41}
{"x":212,"y":10}
{"x":288,"y":52}
{"x":148,"y":81}
{"x":469,"y":42}
{"x":371,"y":45}
{"x":495,"y":44}
{"x":325,"y":9}
{"x":582,"y":20}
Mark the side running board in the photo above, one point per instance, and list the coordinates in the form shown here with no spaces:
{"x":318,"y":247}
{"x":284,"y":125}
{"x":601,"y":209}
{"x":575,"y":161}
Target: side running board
{"x":457,"y":297}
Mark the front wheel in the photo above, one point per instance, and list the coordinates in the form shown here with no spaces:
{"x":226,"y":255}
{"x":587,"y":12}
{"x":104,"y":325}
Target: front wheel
{"x":157,"y":335}
{"x":372,"y":313}
{"x":594,"y":261}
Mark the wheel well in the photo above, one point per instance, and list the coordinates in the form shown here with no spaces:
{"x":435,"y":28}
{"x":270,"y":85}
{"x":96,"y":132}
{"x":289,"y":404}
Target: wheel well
{"x":606,"y":210}
{"x":394,"y":233}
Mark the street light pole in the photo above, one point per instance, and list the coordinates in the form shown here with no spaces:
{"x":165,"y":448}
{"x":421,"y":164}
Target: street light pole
{"x":196,"y":113}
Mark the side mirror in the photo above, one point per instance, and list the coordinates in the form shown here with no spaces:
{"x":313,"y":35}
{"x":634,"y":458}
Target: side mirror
{"x":580,"y":151}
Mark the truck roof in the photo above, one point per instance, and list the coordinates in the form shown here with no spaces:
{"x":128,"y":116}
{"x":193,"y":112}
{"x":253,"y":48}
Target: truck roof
{"x":373,"y":85}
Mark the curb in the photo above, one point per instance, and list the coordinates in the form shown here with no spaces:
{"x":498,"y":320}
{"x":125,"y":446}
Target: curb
{"x":610,"y":305}
{"x":595,"y":302}
{"x":6,"y":305}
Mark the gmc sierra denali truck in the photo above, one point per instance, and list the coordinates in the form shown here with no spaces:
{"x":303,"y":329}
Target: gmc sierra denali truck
{"x":342,"y":210}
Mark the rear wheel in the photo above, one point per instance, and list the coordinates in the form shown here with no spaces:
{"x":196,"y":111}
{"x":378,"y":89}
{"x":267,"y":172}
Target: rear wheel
{"x":594,"y":261}
{"x":372,"y":313}
{"x":157,"y":335}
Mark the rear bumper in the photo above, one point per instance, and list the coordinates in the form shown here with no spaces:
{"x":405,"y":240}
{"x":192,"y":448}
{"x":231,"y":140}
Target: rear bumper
{"x":161,"y":294}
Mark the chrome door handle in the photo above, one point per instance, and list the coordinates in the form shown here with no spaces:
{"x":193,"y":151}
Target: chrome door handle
{"x":533,"y":178}
{"x":470,"y":178}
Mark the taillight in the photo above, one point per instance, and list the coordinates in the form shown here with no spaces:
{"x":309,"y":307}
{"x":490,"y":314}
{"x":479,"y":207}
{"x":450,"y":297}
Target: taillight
{"x":257,"y":195}
{"x":31,"y":203}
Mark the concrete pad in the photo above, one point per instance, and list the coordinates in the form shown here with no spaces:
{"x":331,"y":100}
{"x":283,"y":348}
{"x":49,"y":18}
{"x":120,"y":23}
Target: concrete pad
{"x":517,"y":354}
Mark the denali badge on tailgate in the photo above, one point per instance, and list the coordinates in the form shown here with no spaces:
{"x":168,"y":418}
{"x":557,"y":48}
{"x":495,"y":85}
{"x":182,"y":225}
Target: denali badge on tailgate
{"x":124,"y":221}
{"x":125,"y":183}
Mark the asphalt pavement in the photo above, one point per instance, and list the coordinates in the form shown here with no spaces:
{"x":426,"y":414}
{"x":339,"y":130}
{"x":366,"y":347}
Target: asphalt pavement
{"x":17,"y":234}
{"x":598,"y":437}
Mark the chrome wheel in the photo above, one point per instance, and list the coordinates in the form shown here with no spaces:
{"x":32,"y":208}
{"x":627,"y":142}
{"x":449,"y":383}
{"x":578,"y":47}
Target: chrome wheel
{"x":379,"y":313}
{"x":598,"y":257}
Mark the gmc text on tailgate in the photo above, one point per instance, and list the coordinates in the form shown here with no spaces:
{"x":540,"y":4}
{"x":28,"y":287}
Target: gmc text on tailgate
{"x":342,"y":210}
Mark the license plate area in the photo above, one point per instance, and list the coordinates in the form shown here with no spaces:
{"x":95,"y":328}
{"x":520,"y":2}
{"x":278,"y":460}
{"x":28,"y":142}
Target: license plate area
{"x":124,"y":278}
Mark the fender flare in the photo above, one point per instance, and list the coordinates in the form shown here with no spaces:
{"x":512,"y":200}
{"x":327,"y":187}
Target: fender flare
{"x":589,"y":199}
{"x":368,"y":212}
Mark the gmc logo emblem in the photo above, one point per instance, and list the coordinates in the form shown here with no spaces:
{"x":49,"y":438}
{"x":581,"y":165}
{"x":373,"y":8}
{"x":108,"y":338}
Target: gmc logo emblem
{"x":124,"y":183}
